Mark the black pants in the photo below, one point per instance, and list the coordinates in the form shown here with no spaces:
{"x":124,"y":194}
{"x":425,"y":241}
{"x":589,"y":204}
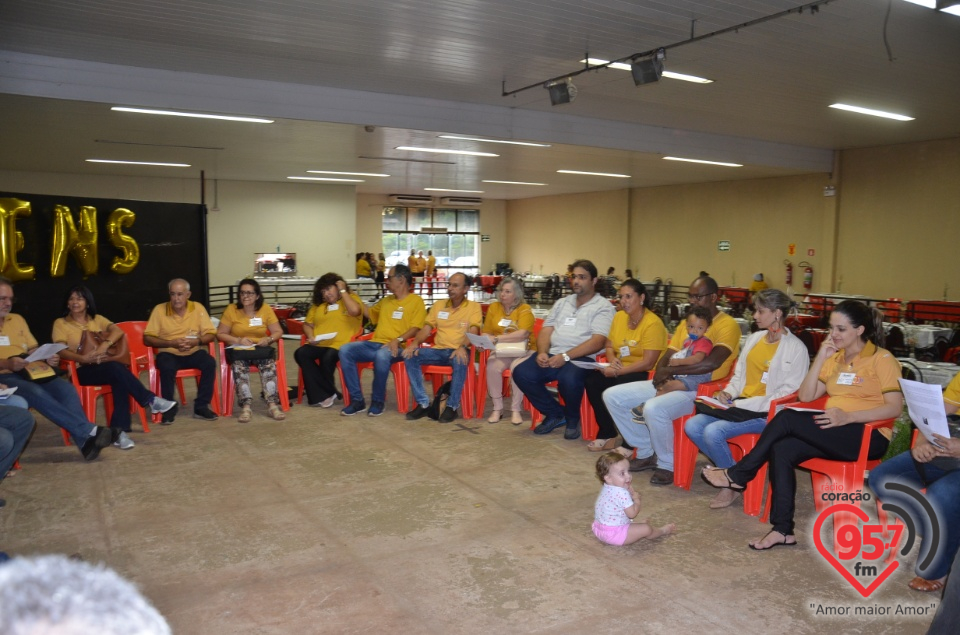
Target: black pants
{"x":168,"y":364}
{"x":789,"y":440}
{"x":122,"y":384}
{"x":596,"y":384}
{"x":318,"y":364}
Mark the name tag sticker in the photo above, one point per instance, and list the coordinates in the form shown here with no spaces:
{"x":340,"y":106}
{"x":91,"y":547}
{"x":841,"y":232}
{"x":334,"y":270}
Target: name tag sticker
{"x":444,"y":315}
{"x":398,"y":315}
{"x":570,"y":321}
{"x":333,"y":307}
{"x":505,"y":322}
{"x":624,"y":351}
{"x":4,"y":340}
{"x":763,"y":377}
{"x":846,"y":379}
{"x":256,"y":321}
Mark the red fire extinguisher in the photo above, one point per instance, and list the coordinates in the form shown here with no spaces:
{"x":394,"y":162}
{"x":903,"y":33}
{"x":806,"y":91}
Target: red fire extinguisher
{"x":789,"y":272}
{"x":807,"y":275}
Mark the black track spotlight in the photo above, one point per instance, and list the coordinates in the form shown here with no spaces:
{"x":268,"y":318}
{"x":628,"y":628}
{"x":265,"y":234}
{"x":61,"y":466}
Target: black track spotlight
{"x":562,"y":92}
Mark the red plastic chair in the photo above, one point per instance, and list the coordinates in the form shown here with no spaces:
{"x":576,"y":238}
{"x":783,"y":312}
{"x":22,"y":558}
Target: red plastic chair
{"x":181,"y":374}
{"x":398,"y":369}
{"x":482,"y":375}
{"x":141,"y":361}
{"x":88,"y":397}
{"x":227,"y":386}
{"x":838,"y":476}
{"x":684,"y":450}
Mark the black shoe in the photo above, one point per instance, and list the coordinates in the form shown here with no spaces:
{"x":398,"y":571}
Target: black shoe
{"x":639,"y":465}
{"x":170,"y":415}
{"x":92,"y":446}
{"x":204,"y":413}
{"x":549,"y":424}
{"x":417,"y":413}
{"x":661,"y":477}
{"x":2,"y":502}
{"x":572,"y":432}
{"x":448,"y":415}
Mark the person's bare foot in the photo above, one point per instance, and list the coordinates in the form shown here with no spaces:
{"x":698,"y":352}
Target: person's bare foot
{"x":666,"y":530}
{"x":773,"y":539}
{"x":724,"y":498}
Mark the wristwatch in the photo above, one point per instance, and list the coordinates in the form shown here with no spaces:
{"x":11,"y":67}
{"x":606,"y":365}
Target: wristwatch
{"x":566,"y":357}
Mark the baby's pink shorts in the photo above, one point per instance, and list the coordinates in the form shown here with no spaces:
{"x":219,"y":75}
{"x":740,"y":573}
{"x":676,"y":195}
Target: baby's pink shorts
{"x":611,"y":534}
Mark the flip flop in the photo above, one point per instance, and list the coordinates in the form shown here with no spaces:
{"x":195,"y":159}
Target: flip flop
{"x":776,"y":544}
{"x":730,"y":484}
{"x":606,"y":445}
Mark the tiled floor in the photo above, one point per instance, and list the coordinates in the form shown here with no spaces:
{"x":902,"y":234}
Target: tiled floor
{"x":329,"y":524}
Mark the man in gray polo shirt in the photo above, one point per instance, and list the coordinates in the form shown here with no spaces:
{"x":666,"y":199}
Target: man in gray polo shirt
{"x":576,"y":329}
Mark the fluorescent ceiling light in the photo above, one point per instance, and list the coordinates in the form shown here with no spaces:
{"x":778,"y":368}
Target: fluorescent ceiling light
{"x":442,"y":151}
{"x":441,"y":189}
{"x":321,"y":178}
{"x":513,"y":143}
{"x":870,"y":111}
{"x":594,"y":61}
{"x":345,"y":173}
{"x":165,"y":165}
{"x":197,"y":115}
{"x":512,"y":182}
{"x":930,"y":4}
{"x":619,"y":176}
{"x":729,"y":165}
{"x":955,"y":9}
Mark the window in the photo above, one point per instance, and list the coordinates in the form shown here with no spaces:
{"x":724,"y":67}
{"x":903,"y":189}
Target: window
{"x":456,"y":249}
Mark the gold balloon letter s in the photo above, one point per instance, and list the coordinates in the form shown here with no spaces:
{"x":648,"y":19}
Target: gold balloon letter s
{"x":66,"y":239}
{"x":120,"y":218}
{"x":11,"y":241}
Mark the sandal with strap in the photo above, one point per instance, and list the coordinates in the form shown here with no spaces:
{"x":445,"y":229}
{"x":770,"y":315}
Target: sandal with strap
{"x":603,"y":445}
{"x":277,"y":413}
{"x":246,"y":413}
{"x":708,"y":471}
{"x":925,"y":586}
{"x":783,"y":543}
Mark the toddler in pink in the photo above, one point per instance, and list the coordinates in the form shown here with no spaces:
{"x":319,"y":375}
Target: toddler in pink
{"x":618,"y":503}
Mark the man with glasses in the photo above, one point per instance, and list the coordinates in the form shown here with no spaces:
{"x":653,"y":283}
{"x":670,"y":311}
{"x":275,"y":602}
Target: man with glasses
{"x":399,"y":316}
{"x":575,"y":330}
{"x":654,"y":437}
{"x":453,"y":319}
{"x":180,"y":330}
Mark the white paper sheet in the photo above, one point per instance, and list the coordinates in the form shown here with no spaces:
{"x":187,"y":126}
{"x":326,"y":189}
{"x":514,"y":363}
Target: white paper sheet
{"x":589,"y":365}
{"x":6,"y":392}
{"x":800,"y":409}
{"x":925,"y":405}
{"x":481,"y":341}
{"x":45,"y":352}
{"x":324,"y":336}
{"x":710,"y":401}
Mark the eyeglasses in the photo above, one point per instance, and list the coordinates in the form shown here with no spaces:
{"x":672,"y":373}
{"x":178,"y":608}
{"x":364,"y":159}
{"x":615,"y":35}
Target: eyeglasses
{"x":248,"y":293}
{"x":698,"y":296}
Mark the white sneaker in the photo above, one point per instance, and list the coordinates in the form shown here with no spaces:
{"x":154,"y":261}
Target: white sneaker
{"x":327,"y":403}
{"x":160,"y":405}
{"x":124,"y":442}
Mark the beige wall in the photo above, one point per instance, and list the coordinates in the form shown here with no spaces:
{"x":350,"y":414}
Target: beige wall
{"x":553,"y":231}
{"x":318,"y":222}
{"x":675,"y":230}
{"x":900,"y":221}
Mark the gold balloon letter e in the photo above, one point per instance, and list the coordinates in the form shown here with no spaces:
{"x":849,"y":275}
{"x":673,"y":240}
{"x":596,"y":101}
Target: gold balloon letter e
{"x":11,"y":241}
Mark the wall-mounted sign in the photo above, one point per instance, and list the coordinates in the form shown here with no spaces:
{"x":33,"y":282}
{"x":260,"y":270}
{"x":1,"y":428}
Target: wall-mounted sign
{"x":811,"y":252}
{"x":723,"y":245}
{"x":791,"y":249}
{"x":484,"y":238}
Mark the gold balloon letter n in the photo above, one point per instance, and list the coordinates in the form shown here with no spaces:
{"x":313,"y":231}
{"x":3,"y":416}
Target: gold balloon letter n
{"x":66,"y":239}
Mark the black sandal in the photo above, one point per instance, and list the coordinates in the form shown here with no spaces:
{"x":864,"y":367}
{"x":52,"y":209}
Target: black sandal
{"x":730,"y":484}
{"x":776,"y":544}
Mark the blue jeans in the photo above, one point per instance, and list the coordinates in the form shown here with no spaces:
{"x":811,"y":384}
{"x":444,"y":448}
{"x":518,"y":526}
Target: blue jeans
{"x":438,"y":357}
{"x":570,"y":378}
{"x":710,"y":435}
{"x":353,"y":353}
{"x":57,"y":401}
{"x":16,"y":424}
{"x":658,"y":412}
{"x":943,"y":492}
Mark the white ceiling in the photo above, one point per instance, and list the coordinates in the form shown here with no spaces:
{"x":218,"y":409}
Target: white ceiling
{"x":411,"y":69}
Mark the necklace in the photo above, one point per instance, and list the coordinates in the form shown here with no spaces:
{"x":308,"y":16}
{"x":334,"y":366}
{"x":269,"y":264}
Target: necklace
{"x":633,"y":323}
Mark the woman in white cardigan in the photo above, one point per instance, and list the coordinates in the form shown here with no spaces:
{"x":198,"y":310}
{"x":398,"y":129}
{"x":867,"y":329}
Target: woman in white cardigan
{"x":771,"y":365}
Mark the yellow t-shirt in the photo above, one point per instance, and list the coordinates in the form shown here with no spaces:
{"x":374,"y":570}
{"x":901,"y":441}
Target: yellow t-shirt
{"x":67,"y":331}
{"x":363,"y":268}
{"x":952,"y":393}
{"x":452,"y":324}
{"x":398,"y":316}
{"x":650,"y":335}
{"x":333,"y":318}
{"x":431,"y":265}
{"x":520,"y":319}
{"x":862,"y":384}
{"x":724,"y":331}
{"x":21,"y":340}
{"x":167,"y":325}
{"x":758,"y":363}
{"x":758,"y":285}
{"x":240,"y":325}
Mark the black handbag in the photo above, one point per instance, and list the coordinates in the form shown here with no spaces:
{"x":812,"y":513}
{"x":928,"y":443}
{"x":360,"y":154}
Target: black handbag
{"x":734,"y":414}
{"x":255,"y":354}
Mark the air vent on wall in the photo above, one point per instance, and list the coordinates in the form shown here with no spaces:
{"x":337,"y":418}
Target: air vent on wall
{"x":410,"y":199}
{"x":460,"y":201}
